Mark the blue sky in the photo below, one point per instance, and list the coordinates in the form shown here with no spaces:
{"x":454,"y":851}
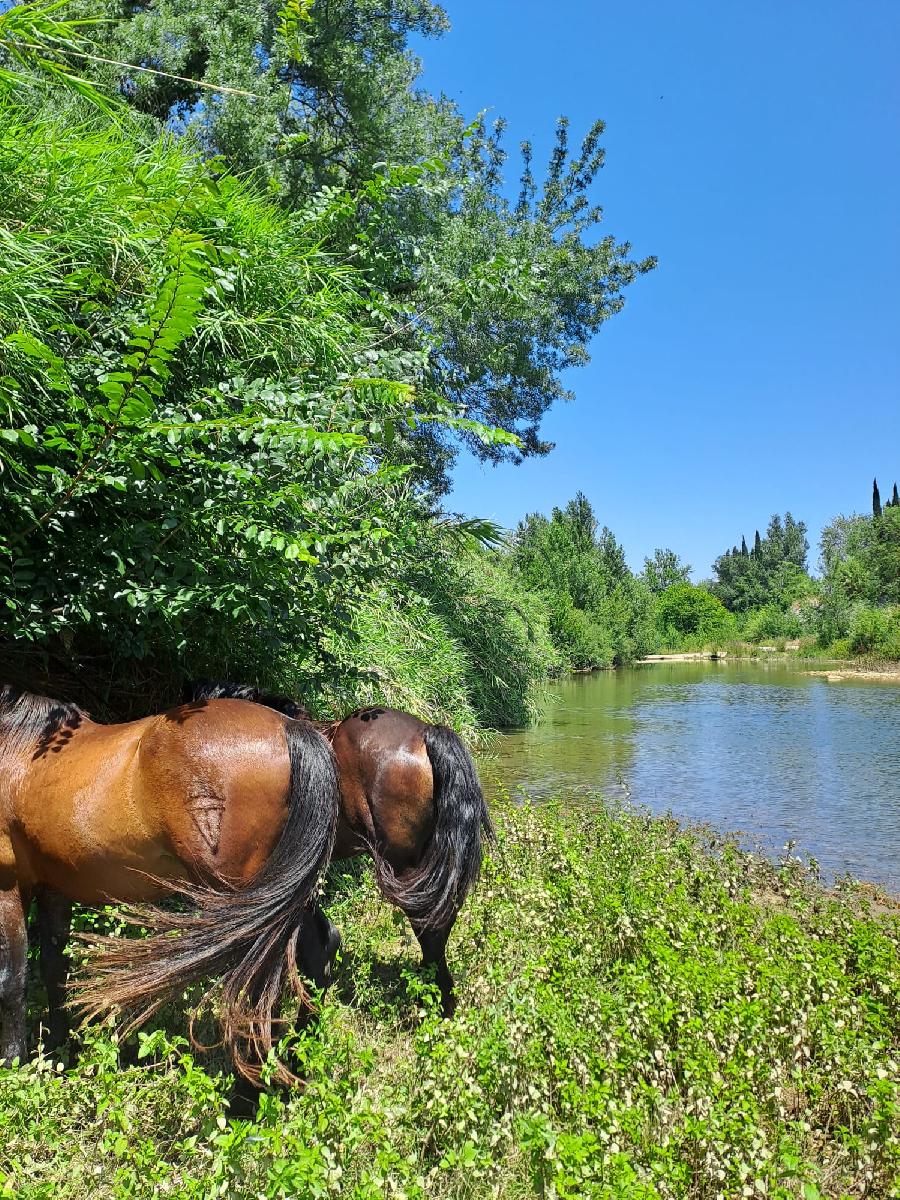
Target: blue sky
{"x":754,"y":149}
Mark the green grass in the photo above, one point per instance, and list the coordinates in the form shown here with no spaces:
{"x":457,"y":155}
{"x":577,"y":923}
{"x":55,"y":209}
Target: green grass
{"x":645,"y":1012}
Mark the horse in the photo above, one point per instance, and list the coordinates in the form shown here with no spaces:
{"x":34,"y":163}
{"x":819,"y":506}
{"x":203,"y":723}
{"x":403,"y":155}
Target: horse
{"x":411,"y":799}
{"x":230,"y":805}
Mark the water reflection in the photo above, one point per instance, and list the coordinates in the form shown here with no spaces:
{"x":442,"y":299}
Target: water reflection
{"x":768,"y":750}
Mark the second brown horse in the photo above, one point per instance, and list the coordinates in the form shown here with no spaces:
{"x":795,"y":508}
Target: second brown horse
{"x":410,"y":798}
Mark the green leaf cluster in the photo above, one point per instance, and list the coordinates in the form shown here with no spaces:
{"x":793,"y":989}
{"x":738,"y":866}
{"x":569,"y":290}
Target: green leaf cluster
{"x":205,"y":424}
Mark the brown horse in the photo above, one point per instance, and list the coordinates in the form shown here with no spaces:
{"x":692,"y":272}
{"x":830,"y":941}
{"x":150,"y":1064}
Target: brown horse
{"x":411,"y":799}
{"x":230,"y":804}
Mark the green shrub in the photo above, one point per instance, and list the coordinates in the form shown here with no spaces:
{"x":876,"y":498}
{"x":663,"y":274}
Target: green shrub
{"x":772,"y":623}
{"x":690,"y":617}
{"x":472,"y":650}
{"x":194,"y":429}
{"x":875,"y":631}
{"x":627,"y":614}
{"x":580,"y":641}
{"x":839,"y":648}
{"x":396,"y":651}
{"x":501,"y":629}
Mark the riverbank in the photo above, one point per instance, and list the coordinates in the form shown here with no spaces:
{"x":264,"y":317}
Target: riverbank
{"x":646,"y":1013}
{"x":795,"y":651}
{"x":888,"y":673}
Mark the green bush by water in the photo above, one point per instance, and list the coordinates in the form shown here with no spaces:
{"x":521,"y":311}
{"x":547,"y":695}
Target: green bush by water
{"x":646,"y":1012}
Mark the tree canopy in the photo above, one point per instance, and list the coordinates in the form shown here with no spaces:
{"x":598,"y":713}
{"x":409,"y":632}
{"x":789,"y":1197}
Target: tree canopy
{"x":773,"y":573}
{"x":305,"y":96}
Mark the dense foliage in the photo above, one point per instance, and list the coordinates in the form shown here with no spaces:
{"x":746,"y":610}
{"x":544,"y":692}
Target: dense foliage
{"x":860,"y":595}
{"x":851,"y":607}
{"x":304,"y":96}
{"x":227,"y":405}
{"x":646,"y":1014}
{"x":599,"y":613}
{"x":773,"y":572}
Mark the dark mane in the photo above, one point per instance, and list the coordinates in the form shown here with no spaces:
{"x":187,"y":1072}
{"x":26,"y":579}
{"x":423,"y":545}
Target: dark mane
{"x":27,"y":721}
{"x":211,"y":689}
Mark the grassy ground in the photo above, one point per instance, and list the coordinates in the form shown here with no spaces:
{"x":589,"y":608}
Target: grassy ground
{"x":646,"y":1012}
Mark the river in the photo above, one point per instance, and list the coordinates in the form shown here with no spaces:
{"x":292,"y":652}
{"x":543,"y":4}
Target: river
{"x":766,"y":750}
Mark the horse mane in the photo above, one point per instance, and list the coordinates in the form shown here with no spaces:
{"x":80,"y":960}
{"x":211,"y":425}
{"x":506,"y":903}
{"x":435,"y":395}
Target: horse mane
{"x":27,"y":720}
{"x":195,"y":690}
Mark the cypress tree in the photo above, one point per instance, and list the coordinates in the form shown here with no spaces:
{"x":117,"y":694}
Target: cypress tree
{"x":744,"y":551}
{"x":895,"y":499}
{"x":735,"y":552}
{"x":757,"y":545}
{"x":876,"y":500}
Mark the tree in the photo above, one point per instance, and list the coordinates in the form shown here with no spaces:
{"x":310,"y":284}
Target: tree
{"x":202,"y":434}
{"x":774,"y":573}
{"x":685,"y":611}
{"x":794,"y":545}
{"x":304,"y":96}
{"x":876,"y":500}
{"x":664,"y":570}
{"x":599,"y":612}
{"x":895,"y":498}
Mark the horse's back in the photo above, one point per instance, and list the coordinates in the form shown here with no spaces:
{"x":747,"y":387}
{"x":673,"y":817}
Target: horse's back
{"x":73,"y":804}
{"x":100,"y":811}
{"x":386,"y":784}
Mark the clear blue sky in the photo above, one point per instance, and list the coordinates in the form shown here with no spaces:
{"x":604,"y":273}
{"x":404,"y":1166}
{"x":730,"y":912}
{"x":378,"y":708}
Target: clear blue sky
{"x":754,"y":149}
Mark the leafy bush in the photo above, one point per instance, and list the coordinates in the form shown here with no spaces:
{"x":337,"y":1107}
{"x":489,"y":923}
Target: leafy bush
{"x":464,"y":644}
{"x":204,"y":422}
{"x":875,"y":631}
{"x":396,"y":650}
{"x":686,"y":614}
{"x":839,"y":648}
{"x":500,"y":628}
{"x":771,"y":622}
{"x":581,"y":642}
{"x":626,"y":613}
{"x":600,"y":614}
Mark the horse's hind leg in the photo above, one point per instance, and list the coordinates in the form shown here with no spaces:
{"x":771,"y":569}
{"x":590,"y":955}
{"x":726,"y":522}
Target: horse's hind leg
{"x":54,"y":919}
{"x":13,"y":974}
{"x":434,"y":953}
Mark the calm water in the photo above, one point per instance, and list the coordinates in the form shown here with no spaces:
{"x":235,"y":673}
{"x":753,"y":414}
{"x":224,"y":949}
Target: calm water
{"x":765,"y":750}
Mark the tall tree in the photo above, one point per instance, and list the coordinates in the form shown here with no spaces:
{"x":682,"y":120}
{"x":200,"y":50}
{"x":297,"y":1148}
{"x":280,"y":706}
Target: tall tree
{"x":304,"y":95}
{"x":664,"y":570}
{"x":794,"y":544}
{"x":772,"y":574}
{"x":876,"y":500}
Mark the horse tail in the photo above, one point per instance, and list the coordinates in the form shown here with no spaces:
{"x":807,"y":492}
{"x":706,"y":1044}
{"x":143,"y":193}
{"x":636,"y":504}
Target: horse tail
{"x":246,"y":937}
{"x":432,"y":893}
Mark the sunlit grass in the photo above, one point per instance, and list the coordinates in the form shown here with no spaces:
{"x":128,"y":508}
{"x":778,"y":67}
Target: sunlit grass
{"x":646,"y":1012}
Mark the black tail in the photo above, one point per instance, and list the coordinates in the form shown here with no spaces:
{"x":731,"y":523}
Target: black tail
{"x":246,"y":938}
{"x":432,"y":893}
